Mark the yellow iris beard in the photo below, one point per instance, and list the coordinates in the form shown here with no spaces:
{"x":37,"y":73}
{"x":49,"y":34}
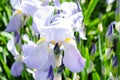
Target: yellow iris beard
{"x":17,"y":12}
{"x":41,"y":40}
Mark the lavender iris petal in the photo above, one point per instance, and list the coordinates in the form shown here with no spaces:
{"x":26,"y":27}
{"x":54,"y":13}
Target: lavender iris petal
{"x":17,"y":68}
{"x":72,"y":59}
{"x":17,"y":38}
{"x":14,"y":23}
{"x":50,"y":75}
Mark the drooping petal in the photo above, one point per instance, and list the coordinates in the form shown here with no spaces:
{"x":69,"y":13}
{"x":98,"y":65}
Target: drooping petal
{"x":27,"y":48}
{"x":45,"y":74}
{"x":17,"y":68}
{"x":11,"y":47}
{"x":72,"y":58}
{"x":14,"y":23}
{"x":41,"y":75}
{"x":38,"y":56}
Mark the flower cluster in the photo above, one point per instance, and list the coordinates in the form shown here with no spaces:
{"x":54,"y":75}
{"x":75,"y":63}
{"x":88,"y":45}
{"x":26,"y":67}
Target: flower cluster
{"x":55,"y":24}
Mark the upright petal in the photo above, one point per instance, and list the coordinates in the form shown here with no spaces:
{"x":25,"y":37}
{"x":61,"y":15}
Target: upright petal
{"x":14,"y":23}
{"x":56,"y":3}
{"x":17,"y":68}
{"x":63,"y":31}
{"x":42,"y":17}
{"x":28,"y":7}
{"x":11,"y":47}
{"x":69,"y":8}
{"x":15,"y":3}
{"x":48,"y":33}
{"x":72,"y":58}
{"x":57,"y":32}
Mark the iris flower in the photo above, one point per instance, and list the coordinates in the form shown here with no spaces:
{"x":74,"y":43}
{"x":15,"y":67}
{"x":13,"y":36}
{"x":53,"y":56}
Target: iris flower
{"x":40,"y":58}
{"x":21,"y":9}
{"x":27,"y":8}
{"x":17,"y":66}
{"x":63,"y":35}
{"x":72,"y":12}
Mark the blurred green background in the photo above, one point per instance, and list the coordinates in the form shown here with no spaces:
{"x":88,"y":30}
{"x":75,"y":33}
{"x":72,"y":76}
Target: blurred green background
{"x":99,"y":64}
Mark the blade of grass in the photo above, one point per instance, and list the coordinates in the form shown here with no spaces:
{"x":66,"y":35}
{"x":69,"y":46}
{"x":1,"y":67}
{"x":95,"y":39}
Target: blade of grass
{"x":7,"y":70}
{"x":95,"y":21}
{"x":90,"y":9}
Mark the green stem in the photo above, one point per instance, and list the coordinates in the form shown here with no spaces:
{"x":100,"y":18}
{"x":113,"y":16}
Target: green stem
{"x":118,"y":55}
{"x":100,"y":51}
{"x":101,"y":58}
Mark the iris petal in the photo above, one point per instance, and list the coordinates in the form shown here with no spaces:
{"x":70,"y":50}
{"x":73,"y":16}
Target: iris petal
{"x":41,"y":75}
{"x":11,"y":47}
{"x":42,"y":17}
{"x":72,"y":58}
{"x":50,"y":73}
{"x":17,"y":68}
{"x":57,"y":32}
{"x":28,"y":8}
{"x":27,"y":48}
{"x":69,"y":8}
{"x":57,"y":3}
{"x":38,"y":56}
{"x":14,"y":23}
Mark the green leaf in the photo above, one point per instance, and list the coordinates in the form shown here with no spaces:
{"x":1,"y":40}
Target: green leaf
{"x":6,"y":34}
{"x":5,"y":67}
{"x":90,"y":9}
{"x":95,"y":76}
